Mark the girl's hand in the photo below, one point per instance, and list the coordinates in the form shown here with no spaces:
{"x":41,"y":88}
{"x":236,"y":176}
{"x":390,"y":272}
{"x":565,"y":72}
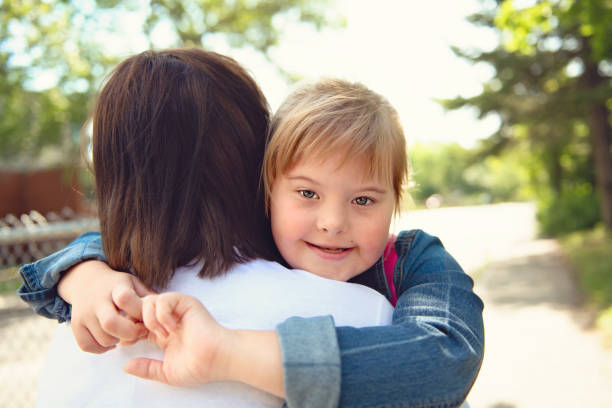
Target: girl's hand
{"x":191,"y":340}
{"x":106,"y":306}
{"x":198,"y":350}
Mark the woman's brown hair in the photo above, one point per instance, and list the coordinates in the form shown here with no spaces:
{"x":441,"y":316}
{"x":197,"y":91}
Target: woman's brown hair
{"x":178,"y":144}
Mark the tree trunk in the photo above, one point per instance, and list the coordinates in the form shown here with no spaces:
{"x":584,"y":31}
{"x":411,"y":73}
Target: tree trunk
{"x":601,"y":139}
{"x":600,"y":136}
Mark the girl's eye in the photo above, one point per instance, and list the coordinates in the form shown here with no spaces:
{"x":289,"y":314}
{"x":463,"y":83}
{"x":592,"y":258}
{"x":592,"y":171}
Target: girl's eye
{"x":308,"y":194}
{"x":362,"y":201}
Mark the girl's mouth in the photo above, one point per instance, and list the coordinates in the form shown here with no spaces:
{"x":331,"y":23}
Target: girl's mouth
{"x":329,"y":250}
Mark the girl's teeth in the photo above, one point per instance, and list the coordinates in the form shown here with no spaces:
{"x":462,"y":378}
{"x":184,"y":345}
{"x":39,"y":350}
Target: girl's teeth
{"x":332,"y":251}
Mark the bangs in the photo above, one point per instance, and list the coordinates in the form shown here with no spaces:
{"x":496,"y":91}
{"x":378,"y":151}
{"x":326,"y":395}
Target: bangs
{"x":350,"y":145}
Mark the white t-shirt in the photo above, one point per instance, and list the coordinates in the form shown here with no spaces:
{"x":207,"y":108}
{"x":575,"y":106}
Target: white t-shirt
{"x":255,"y":295}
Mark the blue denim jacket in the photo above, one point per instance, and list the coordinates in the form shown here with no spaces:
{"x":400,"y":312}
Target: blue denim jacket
{"x":429,"y":357}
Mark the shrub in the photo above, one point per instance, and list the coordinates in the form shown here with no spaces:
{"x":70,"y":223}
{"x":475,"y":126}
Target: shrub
{"x":576,"y":208}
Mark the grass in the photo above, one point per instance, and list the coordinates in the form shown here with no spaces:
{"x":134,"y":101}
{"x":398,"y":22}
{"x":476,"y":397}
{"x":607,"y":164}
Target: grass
{"x":9,"y":280}
{"x":590,"y":253}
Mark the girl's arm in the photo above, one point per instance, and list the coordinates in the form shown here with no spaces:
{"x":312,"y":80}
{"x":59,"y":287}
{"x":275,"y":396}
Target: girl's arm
{"x":40,"y":278}
{"x":429,"y":357}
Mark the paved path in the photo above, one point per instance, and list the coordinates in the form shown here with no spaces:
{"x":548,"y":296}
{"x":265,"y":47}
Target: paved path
{"x":24,"y":339}
{"x":540,"y":350}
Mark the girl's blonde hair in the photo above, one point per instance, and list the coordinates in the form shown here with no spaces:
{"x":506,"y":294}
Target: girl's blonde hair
{"x":334,"y":116}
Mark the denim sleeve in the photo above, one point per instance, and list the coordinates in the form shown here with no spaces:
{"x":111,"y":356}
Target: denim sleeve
{"x":429,"y":357}
{"x":40,"y":278}
{"x":311,"y":362}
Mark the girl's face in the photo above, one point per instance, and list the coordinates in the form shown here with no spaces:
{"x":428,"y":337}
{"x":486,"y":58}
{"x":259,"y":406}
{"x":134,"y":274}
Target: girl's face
{"x":329,"y":220}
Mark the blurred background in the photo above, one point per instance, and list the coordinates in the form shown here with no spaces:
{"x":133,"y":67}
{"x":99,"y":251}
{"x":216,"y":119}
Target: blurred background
{"x":506,"y":107}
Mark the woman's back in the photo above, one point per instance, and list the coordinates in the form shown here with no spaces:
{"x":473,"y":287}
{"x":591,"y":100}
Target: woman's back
{"x":255,"y":295}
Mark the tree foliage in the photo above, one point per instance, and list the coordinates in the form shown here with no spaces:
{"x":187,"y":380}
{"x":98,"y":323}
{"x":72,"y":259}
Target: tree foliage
{"x":552,"y":90}
{"x":452,"y":172}
{"x":53,"y":53}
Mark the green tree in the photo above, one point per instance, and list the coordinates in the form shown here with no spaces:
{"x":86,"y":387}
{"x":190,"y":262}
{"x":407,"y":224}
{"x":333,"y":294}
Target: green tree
{"x":460,"y":176}
{"x":440,"y":169}
{"x":53,"y":53}
{"x":552,"y":90}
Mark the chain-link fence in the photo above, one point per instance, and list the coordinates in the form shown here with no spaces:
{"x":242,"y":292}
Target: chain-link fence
{"x":24,"y":336}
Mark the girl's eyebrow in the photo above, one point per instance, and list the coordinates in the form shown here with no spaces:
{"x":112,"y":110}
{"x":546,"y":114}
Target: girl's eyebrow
{"x":302,"y":178}
{"x":373,"y":189}
{"x":365,"y":189}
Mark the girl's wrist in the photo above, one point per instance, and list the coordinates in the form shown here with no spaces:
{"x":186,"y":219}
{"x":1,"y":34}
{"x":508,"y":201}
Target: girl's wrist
{"x":254,"y":357}
{"x":75,"y":278}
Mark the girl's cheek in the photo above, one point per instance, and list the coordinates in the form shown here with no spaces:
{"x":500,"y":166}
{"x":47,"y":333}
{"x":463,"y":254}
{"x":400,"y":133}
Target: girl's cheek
{"x":377,"y":234}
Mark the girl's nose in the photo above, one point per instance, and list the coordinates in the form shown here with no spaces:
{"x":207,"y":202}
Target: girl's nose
{"x":332,"y":220}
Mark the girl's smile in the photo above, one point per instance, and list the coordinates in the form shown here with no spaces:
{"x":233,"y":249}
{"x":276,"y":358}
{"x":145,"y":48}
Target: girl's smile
{"x":329,"y":252}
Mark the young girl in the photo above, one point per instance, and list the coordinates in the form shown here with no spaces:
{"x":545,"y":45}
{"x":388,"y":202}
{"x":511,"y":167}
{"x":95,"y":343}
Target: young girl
{"x":334,"y":171}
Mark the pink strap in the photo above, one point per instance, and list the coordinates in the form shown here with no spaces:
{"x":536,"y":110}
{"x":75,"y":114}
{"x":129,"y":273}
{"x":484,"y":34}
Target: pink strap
{"x":389,"y":261}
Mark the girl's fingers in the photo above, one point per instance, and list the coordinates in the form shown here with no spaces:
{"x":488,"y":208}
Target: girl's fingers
{"x":116,"y":324}
{"x":101,"y":336}
{"x":141,"y":289}
{"x":127,"y":300}
{"x":142,"y":334}
{"x":166,"y":313}
{"x":87,"y":342}
{"x":149,"y":316}
{"x":146,"y":368}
